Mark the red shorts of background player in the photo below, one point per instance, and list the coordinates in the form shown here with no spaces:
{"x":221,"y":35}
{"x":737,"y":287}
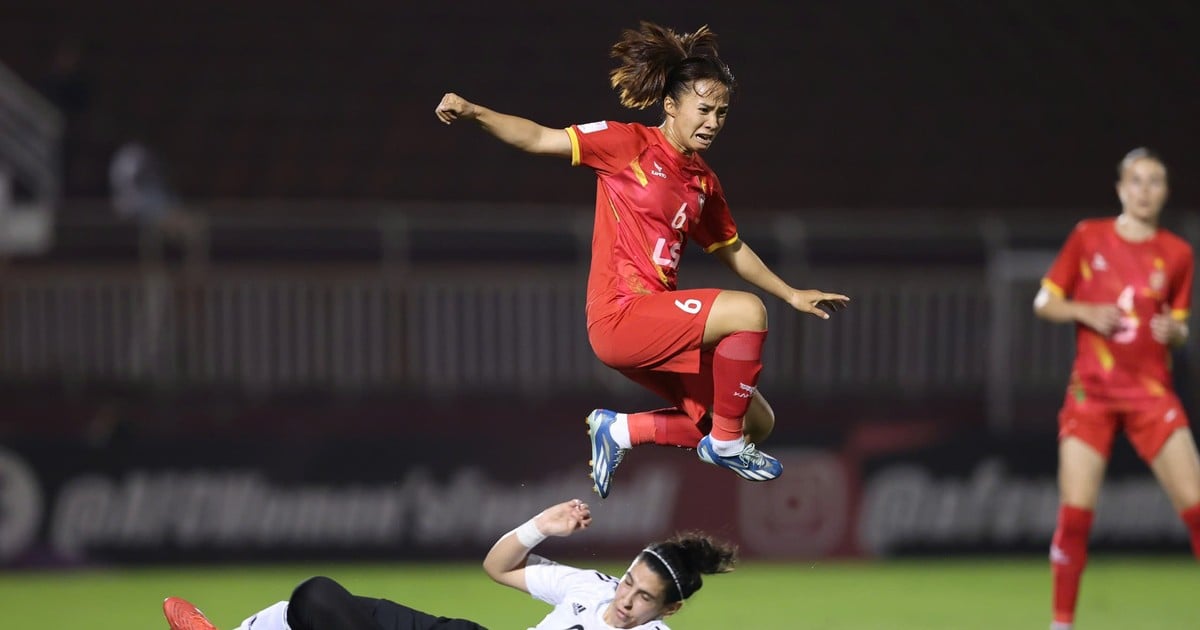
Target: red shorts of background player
{"x":655,"y":340}
{"x":1147,"y":423}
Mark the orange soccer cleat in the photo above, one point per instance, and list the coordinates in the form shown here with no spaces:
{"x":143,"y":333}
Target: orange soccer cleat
{"x":183,"y":615}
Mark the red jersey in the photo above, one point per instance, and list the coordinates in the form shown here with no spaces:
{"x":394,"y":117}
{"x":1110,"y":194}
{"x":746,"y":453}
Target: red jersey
{"x":1097,"y":265}
{"x":650,"y":199}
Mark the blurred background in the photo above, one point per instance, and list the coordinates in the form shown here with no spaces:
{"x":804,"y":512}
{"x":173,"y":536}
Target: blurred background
{"x":258,"y":305}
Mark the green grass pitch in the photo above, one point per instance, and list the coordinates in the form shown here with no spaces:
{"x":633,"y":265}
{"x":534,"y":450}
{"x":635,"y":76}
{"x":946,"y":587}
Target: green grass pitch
{"x":987,"y":593}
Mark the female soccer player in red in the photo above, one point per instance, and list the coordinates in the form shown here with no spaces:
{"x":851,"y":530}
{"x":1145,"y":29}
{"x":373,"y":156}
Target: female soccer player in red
{"x":1126,"y":284}
{"x":697,"y":348}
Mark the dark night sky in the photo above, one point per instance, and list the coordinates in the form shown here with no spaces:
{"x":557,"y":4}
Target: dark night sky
{"x":842,"y":104}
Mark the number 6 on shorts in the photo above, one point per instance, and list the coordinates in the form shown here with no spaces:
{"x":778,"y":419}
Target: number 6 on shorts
{"x":690,"y":306}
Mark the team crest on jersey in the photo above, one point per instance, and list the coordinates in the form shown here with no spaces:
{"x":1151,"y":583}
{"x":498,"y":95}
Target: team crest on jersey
{"x":1098,"y":262}
{"x":1158,"y":280}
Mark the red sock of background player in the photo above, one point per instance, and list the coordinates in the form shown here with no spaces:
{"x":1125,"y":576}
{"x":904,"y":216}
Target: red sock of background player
{"x":667,"y":427}
{"x":1191,"y":518}
{"x":737,"y":362}
{"x":1068,"y":557}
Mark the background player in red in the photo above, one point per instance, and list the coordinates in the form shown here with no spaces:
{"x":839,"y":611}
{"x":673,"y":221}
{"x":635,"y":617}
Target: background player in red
{"x":1126,"y":284}
{"x":696,"y":348}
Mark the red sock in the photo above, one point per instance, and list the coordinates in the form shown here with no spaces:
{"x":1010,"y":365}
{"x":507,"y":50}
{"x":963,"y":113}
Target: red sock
{"x":736,"y":364}
{"x":666,"y":427}
{"x":1191,"y":518}
{"x":1068,"y":557}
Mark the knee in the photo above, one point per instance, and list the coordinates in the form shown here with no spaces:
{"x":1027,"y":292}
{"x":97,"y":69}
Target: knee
{"x":749,"y":312}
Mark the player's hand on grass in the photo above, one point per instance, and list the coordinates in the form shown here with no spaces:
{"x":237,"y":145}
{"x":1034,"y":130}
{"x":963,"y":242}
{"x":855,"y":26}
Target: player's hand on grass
{"x":817,"y":302}
{"x":454,"y":107}
{"x":564,"y":519}
{"x":1102,"y":318}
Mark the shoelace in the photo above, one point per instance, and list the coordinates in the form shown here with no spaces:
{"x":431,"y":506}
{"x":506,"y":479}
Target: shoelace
{"x":617,"y":460}
{"x":750,"y":455}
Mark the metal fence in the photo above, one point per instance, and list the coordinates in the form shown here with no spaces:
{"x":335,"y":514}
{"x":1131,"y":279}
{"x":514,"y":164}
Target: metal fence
{"x":501,"y":328}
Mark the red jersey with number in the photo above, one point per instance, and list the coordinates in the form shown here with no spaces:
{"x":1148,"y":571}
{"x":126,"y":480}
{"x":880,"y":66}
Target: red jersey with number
{"x":650,"y":199}
{"x":1142,"y":279}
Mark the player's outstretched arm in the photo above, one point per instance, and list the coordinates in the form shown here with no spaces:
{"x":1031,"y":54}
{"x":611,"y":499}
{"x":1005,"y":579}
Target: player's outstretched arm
{"x":749,"y":267}
{"x":521,"y":133}
{"x":505,"y":563}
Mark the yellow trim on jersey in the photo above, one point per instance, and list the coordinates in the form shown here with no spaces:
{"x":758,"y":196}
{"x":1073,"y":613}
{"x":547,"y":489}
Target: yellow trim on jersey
{"x":1085,"y":270}
{"x":662,"y":276}
{"x":1155,"y":388}
{"x":1180,"y":313}
{"x":1049,"y":285}
{"x":574,"y":146}
{"x":614,"y":209}
{"x":639,"y":173}
{"x":715,"y":246}
{"x":1103,"y":353}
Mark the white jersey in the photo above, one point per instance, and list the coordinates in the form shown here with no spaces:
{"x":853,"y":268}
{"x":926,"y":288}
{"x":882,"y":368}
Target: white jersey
{"x":579,"y":596}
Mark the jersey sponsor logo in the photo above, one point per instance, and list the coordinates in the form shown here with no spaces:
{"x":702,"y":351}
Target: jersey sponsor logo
{"x":1099,"y":263}
{"x":662,"y":251}
{"x":658,"y":171}
{"x":593,"y":127}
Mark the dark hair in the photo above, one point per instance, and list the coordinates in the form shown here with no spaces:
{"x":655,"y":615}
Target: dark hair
{"x":657,"y":62}
{"x":1140,"y":153}
{"x":683,"y":559}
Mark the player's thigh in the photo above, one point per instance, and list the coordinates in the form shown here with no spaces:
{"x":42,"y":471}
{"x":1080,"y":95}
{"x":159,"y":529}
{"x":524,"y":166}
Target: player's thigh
{"x":734,"y":311}
{"x":1177,"y":467}
{"x":760,"y":419}
{"x":1080,"y":472}
{"x":661,"y":331}
{"x":1086,"y":428}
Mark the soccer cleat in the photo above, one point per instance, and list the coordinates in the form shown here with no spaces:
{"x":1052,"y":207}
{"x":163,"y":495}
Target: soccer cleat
{"x":182,"y":615}
{"x":750,"y":463}
{"x":606,"y":455}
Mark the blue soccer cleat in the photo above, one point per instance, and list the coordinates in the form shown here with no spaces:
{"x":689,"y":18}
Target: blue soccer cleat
{"x":606,"y":454}
{"x":750,"y":463}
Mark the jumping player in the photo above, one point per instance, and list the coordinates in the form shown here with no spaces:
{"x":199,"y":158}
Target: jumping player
{"x":1126,"y":284}
{"x":662,"y":576}
{"x":699,"y":349}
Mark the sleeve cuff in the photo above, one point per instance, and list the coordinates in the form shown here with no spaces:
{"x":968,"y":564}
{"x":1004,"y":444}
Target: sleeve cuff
{"x":715,"y":246}
{"x":574,"y":146}
{"x":1049,"y":285}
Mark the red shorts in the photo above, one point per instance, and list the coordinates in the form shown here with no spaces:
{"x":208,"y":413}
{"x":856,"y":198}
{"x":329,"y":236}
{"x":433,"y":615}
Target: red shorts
{"x":656,"y":341}
{"x":1147,"y":423}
